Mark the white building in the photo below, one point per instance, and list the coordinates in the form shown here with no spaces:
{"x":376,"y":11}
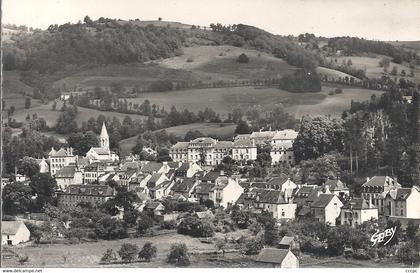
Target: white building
{"x":326,"y":208}
{"x":61,"y":158}
{"x":14,"y":232}
{"x":69,"y":175}
{"x":102,"y":153}
{"x":282,"y":147}
{"x":244,"y":150}
{"x":225,"y":192}
{"x":357,"y":211}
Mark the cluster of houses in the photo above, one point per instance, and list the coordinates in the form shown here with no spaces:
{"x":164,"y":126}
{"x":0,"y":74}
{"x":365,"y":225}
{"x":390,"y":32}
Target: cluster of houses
{"x":90,"y":178}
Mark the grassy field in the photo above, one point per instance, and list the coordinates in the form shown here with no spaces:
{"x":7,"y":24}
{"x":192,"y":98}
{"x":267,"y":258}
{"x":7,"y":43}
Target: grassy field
{"x":373,"y":70}
{"x":223,"y":100}
{"x":84,"y":114}
{"x":218,"y":129}
{"x":198,"y":63}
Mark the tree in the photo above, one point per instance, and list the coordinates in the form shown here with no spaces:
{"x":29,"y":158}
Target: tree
{"x":192,"y":134}
{"x":195,"y":227}
{"x":138,"y":148}
{"x":88,"y":21}
{"x":109,"y":256}
{"x":82,"y":142}
{"x":253,"y":247}
{"x":125,"y":198}
{"x":108,"y":228}
{"x":130,"y":216}
{"x":243,"y":58}
{"x":43,"y":186}
{"x":148,"y":252}
{"x":394,"y":71}
{"x":144,"y":223}
{"x":178,"y":255}
{"x":409,"y":254}
{"x":16,"y":198}
{"x":28,"y":166}
{"x":27,"y":103}
{"x":242,"y":128}
{"x":411,"y":230}
{"x":128,"y":252}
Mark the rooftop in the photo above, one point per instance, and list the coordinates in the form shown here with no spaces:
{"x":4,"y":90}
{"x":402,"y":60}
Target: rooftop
{"x":272,"y":255}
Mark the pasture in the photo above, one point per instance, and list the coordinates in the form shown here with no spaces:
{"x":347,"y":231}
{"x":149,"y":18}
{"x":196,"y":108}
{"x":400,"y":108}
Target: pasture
{"x":223,"y":100}
{"x":372,"y":68}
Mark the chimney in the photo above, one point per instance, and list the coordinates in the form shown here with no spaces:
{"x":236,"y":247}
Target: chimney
{"x":367,"y":179}
{"x":222,"y":173}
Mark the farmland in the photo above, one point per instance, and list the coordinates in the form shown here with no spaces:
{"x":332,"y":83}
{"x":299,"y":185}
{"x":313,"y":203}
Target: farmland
{"x":223,"y":100}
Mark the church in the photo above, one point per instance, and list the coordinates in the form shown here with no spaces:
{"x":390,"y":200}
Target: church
{"x":102,"y":153}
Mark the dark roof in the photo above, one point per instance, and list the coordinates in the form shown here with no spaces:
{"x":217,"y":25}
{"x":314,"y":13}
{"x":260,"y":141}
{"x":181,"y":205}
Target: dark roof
{"x":400,"y":193}
{"x":322,"y":201}
{"x":211,"y":176}
{"x":203,"y":188}
{"x":152,"y":167}
{"x":356,"y":203}
{"x":304,"y":211}
{"x":304,"y":191}
{"x":184,"y":167}
{"x":278,"y":180}
{"x":184,"y":185}
{"x":271,"y":197}
{"x":94,"y":190}
{"x":272,"y":255}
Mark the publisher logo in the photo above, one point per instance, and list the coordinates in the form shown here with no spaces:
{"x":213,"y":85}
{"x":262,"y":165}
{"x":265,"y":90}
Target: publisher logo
{"x":385,"y":236}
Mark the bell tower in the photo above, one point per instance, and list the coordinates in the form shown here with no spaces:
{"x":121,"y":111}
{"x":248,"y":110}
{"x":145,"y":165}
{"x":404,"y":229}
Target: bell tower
{"x":104,"y":137}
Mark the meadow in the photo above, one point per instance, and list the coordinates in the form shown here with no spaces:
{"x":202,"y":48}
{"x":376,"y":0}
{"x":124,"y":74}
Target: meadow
{"x":223,"y":100}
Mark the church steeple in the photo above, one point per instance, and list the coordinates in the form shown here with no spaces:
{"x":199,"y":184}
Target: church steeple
{"x":104,"y":137}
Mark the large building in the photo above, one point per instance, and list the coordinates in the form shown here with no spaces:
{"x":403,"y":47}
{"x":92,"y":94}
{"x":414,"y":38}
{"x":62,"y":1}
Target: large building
{"x":74,"y":194}
{"x":102,"y":153}
{"x":210,"y":152}
{"x":60,"y":159}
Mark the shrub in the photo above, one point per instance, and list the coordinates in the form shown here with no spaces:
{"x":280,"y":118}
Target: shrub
{"x":145,"y":222}
{"x":253,"y":247}
{"x":23,"y":259}
{"x":195,"y":227}
{"x":178,"y":255}
{"x":256,"y":227}
{"x":409,"y":254}
{"x":208,"y":203}
{"x":190,"y":60}
{"x":331,"y":93}
{"x":128,"y":252}
{"x":338,"y":90}
{"x":169,"y":224}
{"x":108,"y":228}
{"x":243,"y":58}
{"x":148,"y":252}
{"x":109,"y":256}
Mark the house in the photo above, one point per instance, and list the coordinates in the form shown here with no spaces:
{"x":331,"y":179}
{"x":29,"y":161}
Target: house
{"x":283,"y":258}
{"x":207,"y":215}
{"x":374,"y":187}
{"x":335,"y":186}
{"x":244,"y":150}
{"x":225,"y":192}
{"x":94,"y":194}
{"x":403,"y":202}
{"x":282,"y":154}
{"x":282,"y":183}
{"x":210,"y":177}
{"x":201,"y":191}
{"x":154,"y":208}
{"x":326,"y":208}
{"x":288,"y":242}
{"x":162,"y":190}
{"x":356,"y":211}
{"x":262,"y":138}
{"x":61,"y":158}
{"x":93,"y":171}
{"x":125,"y":177}
{"x":187,"y":170}
{"x":184,"y":187}
{"x":14,"y":233}
{"x":153,"y":167}
{"x":284,"y":137}
{"x":102,"y":153}
{"x":68,"y":175}
{"x":305,"y":194}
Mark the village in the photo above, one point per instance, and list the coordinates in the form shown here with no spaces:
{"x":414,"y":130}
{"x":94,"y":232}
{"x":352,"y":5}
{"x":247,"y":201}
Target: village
{"x":194,"y":186}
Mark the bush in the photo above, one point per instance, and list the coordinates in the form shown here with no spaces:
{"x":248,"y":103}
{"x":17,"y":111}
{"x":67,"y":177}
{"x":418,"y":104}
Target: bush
{"x":190,"y":60}
{"x":145,"y":222}
{"x":256,"y":227}
{"x":253,"y":247}
{"x":243,"y":58}
{"x":409,"y":254}
{"x":148,"y":252}
{"x":195,"y":227}
{"x":178,"y":255}
{"x":338,"y":90}
{"x":108,"y":228}
{"x":169,"y":224}
{"x":128,"y":252}
{"x":109,"y":256}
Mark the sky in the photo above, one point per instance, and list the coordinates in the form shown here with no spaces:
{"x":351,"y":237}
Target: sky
{"x":372,"y":19}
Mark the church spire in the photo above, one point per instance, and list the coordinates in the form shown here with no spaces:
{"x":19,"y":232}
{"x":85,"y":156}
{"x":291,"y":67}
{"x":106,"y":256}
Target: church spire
{"x":104,"y":137}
